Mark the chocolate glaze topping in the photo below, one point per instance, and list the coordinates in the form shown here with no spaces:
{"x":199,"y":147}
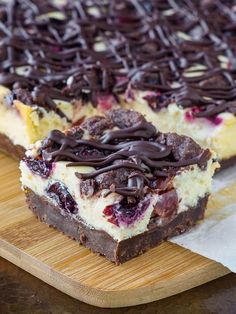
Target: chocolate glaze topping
{"x":143,"y":154}
{"x":85,"y":49}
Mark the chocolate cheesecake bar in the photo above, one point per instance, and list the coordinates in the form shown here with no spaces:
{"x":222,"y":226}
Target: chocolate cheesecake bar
{"x":47,"y":70}
{"x":173,"y":61}
{"x":190,"y":87}
{"x":116,"y":184}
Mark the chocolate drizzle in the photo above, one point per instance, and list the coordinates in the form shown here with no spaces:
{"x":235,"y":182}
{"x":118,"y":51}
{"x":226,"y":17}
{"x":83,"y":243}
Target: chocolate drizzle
{"x":140,"y":150}
{"x":83,"y":50}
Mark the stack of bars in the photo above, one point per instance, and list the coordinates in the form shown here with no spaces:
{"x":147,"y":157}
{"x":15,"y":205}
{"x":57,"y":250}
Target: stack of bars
{"x":95,"y":93}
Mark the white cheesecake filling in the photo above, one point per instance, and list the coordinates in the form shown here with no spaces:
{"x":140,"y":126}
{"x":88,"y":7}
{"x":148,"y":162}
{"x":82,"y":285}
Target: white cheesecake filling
{"x":24,"y":125}
{"x":12,"y":125}
{"x":219,"y":138}
{"x":200,"y":182}
{"x":91,"y":209}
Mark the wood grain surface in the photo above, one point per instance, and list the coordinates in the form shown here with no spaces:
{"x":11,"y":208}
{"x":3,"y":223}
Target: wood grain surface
{"x":73,"y":269}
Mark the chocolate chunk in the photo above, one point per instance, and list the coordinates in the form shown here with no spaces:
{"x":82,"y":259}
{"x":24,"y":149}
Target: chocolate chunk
{"x":97,"y":125}
{"x":87,"y":187}
{"x":123,"y":118}
{"x":183,"y":147}
{"x":76,"y":132}
{"x":23,"y":95}
{"x":117,"y":178}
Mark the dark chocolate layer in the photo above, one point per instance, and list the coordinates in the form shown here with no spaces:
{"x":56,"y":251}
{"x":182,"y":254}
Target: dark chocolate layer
{"x":102,"y":243}
{"x":6,"y":146}
{"x":142,"y":49}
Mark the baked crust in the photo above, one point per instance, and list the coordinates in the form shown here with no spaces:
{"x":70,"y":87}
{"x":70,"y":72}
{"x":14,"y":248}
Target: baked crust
{"x":101,"y":242}
{"x":7,"y":146}
{"x":226,"y":163}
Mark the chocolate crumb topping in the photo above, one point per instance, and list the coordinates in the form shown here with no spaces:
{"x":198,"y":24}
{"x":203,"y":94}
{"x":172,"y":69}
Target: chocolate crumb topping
{"x":129,"y":161}
{"x":123,"y":118}
{"x":82,"y":50}
{"x":96,"y":125}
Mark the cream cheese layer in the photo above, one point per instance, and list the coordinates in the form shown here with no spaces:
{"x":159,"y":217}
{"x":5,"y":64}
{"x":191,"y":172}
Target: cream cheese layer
{"x":91,"y":208}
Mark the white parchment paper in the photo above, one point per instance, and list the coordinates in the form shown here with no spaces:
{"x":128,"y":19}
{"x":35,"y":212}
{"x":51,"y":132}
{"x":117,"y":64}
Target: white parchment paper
{"x":215,"y":237}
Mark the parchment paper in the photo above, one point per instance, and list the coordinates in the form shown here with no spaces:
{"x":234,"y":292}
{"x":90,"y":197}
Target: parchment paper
{"x":215,"y":237}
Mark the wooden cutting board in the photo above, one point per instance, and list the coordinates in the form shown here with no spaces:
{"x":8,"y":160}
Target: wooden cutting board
{"x":66,"y":265}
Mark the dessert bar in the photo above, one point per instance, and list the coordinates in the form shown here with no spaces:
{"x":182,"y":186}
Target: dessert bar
{"x":116,"y":184}
{"x":47,"y":72}
{"x":173,"y":61}
{"x":187,"y":84}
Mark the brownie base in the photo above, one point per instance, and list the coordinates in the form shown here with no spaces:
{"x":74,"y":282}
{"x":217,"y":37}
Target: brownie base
{"x":226,"y":163}
{"x":7,"y":147}
{"x":101,"y":242}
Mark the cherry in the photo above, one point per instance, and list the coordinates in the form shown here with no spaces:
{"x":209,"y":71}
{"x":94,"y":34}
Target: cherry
{"x":167,"y":204}
{"x":125,"y":214}
{"x":39,"y":167}
{"x":60,"y":194}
